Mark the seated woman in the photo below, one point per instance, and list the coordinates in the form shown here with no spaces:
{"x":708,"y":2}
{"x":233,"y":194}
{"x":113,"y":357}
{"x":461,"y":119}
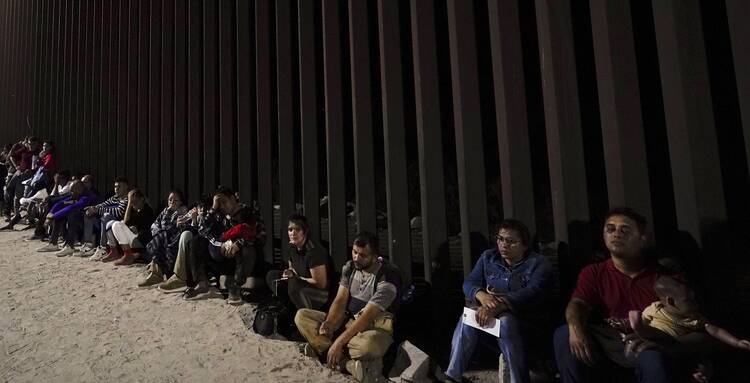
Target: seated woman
{"x":165,"y":233}
{"x":132,"y":232}
{"x":510,"y":284}
{"x":305,"y":279}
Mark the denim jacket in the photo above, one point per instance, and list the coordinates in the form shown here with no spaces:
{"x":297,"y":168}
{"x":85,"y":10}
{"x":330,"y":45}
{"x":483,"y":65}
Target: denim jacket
{"x":525,"y":286}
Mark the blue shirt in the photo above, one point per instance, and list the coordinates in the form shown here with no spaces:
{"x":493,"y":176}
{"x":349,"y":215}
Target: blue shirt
{"x":524,"y":286}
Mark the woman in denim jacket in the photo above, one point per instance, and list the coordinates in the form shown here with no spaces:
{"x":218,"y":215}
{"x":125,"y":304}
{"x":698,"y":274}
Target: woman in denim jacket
{"x":509,"y":283}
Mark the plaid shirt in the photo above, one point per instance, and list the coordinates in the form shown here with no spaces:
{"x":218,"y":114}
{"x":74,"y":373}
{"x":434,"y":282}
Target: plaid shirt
{"x":214,"y":224}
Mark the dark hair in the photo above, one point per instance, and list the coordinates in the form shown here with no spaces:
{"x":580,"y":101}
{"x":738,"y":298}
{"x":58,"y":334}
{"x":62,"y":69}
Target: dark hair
{"x":33,"y":139}
{"x":64,"y":173}
{"x":51,"y":144}
{"x":365,"y":238}
{"x":225,"y":191}
{"x":203,"y":201}
{"x":299,"y":220}
{"x":179,"y":194}
{"x":138,"y":193}
{"x":122,"y":180}
{"x":640,"y":220}
{"x":670,"y":287}
{"x":517,"y":226}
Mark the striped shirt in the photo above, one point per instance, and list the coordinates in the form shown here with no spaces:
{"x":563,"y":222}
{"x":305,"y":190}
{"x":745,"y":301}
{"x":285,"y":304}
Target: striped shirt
{"x":114,"y":206}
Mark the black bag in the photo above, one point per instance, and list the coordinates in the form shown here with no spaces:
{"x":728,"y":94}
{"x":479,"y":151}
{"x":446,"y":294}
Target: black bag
{"x":272,"y":317}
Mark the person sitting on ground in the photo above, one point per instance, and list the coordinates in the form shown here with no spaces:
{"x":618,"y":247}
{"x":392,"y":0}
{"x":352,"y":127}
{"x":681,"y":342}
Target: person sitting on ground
{"x":132,"y":233}
{"x":511,"y":283}
{"x":365,"y":304}
{"x":101,"y":217}
{"x":230,"y":243}
{"x":305,"y":279}
{"x":611,"y":289}
{"x":23,"y":160}
{"x":165,"y":233}
{"x":188,"y":226}
{"x":61,"y":190}
{"x":66,"y":220}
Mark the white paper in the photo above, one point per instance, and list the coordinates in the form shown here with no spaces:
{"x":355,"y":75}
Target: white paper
{"x":469,"y":318}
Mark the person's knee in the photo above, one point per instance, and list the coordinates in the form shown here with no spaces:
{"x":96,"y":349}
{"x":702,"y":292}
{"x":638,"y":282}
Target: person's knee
{"x":561,"y":339}
{"x":510,"y":326}
{"x":302,"y":317}
{"x":651,"y":363}
{"x":186,"y":237}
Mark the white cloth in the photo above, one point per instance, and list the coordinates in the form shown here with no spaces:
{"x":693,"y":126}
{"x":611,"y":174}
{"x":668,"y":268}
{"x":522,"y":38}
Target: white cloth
{"x":123,"y":235}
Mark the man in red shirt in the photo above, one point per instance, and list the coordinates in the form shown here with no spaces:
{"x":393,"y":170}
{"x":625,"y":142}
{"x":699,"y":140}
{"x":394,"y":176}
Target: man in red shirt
{"x":610,"y":289}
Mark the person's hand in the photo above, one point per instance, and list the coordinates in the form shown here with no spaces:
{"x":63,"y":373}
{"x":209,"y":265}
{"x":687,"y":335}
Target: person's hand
{"x":194,"y":213}
{"x":289,"y":273}
{"x":181,"y":220}
{"x":90,"y":211}
{"x":636,"y":320}
{"x":581,"y":346}
{"x":485,"y":315}
{"x":233,"y":250}
{"x":336,"y":352}
{"x":487,"y":300}
{"x":743,"y":344}
{"x":620,"y":324}
{"x":326,"y":329}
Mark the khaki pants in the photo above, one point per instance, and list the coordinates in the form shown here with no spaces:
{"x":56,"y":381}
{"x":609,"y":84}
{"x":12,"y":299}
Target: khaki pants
{"x":372,"y":343}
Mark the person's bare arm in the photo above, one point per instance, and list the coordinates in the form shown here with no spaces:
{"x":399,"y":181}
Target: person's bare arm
{"x":336,"y":313}
{"x":727,"y":337}
{"x":319,"y":277}
{"x":576,"y":314}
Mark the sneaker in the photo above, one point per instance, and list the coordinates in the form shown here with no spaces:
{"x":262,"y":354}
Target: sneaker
{"x":198,"y":293}
{"x":7,"y":227}
{"x":99,"y":254}
{"x":151,"y":280}
{"x":66,"y":250}
{"x":126,"y":259}
{"x":173,"y":285}
{"x":48,"y":248}
{"x":85,"y":251}
{"x":110,"y":257}
{"x":307,"y":350}
{"x":366,"y":371}
{"x":235,"y":293}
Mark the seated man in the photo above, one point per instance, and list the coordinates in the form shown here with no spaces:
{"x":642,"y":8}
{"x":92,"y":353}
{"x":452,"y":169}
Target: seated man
{"x":611,"y":289}
{"x":60,"y":191}
{"x":358,"y":328}
{"x":132,"y":233}
{"x":231,"y":236}
{"x":188,"y":224}
{"x":66,"y":218}
{"x":23,"y":159}
{"x":509,"y":283}
{"x":304,"y":280}
{"x":101,"y":217}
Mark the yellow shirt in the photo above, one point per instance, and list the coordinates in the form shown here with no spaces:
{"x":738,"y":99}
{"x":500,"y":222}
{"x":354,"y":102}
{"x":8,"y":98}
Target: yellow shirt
{"x":674,"y":325}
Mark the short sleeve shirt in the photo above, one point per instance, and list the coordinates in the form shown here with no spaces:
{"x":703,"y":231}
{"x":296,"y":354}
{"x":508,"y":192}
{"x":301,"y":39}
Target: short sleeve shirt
{"x":310,"y":256}
{"x":360,"y":285}
{"x":612,"y":293}
{"x":673,"y":325}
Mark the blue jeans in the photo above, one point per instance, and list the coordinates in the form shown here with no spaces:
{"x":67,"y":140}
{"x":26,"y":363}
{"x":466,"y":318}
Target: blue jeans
{"x":651,"y":366}
{"x":512,"y":343}
{"x":93,"y":224}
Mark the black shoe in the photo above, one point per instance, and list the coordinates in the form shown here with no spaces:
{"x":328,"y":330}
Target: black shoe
{"x":235,"y":293}
{"x":199,"y":293}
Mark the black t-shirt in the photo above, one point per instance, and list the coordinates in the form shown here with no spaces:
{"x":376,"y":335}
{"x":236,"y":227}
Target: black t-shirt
{"x":311,"y":255}
{"x":142,"y":220}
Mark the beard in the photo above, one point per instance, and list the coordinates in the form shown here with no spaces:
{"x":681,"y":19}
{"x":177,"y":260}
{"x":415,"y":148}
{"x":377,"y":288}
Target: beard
{"x":361,"y":266}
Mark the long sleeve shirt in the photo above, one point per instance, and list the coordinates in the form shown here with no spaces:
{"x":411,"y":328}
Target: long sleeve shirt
{"x":65,"y":207}
{"x":167,"y":220}
{"x":524,"y":287}
{"x":115,"y":206}
{"x":214,"y":224}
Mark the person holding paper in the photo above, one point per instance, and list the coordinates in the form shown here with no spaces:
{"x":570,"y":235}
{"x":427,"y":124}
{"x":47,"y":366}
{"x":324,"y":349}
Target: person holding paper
{"x":510,"y":284}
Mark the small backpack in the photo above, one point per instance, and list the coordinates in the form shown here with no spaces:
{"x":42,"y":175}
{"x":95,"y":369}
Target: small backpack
{"x":272,"y":317}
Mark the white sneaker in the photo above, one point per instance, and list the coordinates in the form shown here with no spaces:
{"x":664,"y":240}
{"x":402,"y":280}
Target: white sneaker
{"x":86,"y":250}
{"x":67,"y":250}
{"x":48,"y":248}
{"x":98,"y":255}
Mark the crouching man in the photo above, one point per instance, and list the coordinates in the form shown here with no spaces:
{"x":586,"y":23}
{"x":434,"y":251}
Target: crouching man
{"x":358,"y":329}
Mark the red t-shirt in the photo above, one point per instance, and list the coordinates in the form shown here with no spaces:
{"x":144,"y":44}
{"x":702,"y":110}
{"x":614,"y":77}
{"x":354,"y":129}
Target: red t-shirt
{"x":613,"y":293}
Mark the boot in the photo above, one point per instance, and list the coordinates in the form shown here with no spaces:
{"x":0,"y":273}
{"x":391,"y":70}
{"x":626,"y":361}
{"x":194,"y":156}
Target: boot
{"x":155,"y":276}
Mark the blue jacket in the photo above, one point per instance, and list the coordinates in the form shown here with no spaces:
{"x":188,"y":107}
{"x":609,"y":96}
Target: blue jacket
{"x":525,"y":287}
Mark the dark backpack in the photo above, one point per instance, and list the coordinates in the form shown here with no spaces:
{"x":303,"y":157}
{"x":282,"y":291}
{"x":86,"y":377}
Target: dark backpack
{"x":272,"y":317}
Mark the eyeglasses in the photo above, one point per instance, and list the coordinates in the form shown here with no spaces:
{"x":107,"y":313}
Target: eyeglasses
{"x":507,"y":240}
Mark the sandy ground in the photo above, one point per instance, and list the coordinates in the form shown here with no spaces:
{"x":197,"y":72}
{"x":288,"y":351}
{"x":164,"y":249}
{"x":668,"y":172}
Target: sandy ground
{"x":73,"y":320}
